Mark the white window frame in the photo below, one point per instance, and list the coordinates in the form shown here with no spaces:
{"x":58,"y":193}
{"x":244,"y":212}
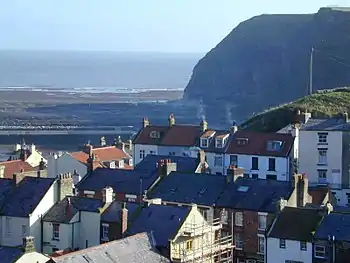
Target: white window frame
{"x":142,"y":154}
{"x":236,"y":157}
{"x":55,"y":232}
{"x":220,"y":157}
{"x":262,"y":215}
{"x":261,"y":237}
{"x":303,"y":245}
{"x":219,"y":143}
{"x":238,"y":241}
{"x":324,"y":251}
{"x":322,"y":138}
{"x":204,"y":142}
{"x":239,"y":218}
{"x":281,"y":242}
{"x":322,"y":158}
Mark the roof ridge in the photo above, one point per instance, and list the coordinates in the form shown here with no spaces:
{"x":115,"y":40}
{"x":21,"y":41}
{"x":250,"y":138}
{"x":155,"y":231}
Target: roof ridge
{"x":18,"y":160}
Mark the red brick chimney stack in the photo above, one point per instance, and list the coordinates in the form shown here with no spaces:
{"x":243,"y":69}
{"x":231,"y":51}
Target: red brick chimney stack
{"x":123,"y":220}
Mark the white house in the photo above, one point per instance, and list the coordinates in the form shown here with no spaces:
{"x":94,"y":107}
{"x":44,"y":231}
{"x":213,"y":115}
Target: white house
{"x":73,"y":223}
{"x":290,"y":241}
{"x":324,"y":154}
{"x":32,"y":156}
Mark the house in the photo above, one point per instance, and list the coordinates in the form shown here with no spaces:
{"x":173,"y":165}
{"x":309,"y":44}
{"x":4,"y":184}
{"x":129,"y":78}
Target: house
{"x":24,"y":254}
{"x":29,"y":153}
{"x":128,"y":185}
{"x":80,"y":162}
{"x":331,"y":240}
{"x":9,"y":168}
{"x":288,"y":241}
{"x":73,"y":223}
{"x":137,"y":249}
{"x":324,"y":153}
{"x":23,"y":208}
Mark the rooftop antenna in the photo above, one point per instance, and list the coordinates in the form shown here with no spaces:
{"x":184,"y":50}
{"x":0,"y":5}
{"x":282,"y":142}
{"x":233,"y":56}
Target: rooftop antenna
{"x":311,"y":71}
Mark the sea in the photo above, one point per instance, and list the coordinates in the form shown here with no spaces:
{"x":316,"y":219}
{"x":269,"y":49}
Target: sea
{"x":92,"y":72}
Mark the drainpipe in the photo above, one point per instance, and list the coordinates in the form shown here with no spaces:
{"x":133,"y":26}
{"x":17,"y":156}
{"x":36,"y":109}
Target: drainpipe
{"x":232,"y":237}
{"x":41,"y":233}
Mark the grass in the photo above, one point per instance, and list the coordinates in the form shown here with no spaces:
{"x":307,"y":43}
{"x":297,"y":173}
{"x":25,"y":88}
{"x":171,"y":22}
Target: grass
{"x":325,"y":103}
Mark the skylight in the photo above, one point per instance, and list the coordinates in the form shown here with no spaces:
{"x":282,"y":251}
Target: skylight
{"x":243,"y":188}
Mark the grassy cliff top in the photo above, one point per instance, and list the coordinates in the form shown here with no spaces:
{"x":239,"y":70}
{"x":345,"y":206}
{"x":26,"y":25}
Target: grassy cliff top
{"x":325,"y":103}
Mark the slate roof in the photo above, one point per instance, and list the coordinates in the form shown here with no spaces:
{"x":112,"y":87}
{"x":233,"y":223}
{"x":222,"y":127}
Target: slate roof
{"x":26,"y":197}
{"x":10,"y":254}
{"x":111,"y":214}
{"x":176,"y":135}
{"x":257,"y":143}
{"x":254,"y":194}
{"x":122,"y":181}
{"x":163,"y":221}
{"x":136,"y":249}
{"x":183,"y":164}
{"x":63,"y":213}
{"x":296,"y":224}
{"x":6,"y":186}
{"x":15,"y":166}
{"x":330,"y":124}
{"x":335,"y":224}
{"x":201,"y":189}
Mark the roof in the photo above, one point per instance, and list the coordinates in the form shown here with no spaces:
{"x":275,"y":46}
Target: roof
{"x":61,"y":214}
{"x":176,"y":135}
{"x":136,"y":249}
{"x":296,"y":224}
{"x":163,"y":221}
{"x":256,"y":143}
{"x":254,"y":194}
{"x":122,"y":181}
{"x":26,"y":197}
{"x":330,"y":124}
{"x":104,"y":154}
{"x":111,"y":213}
{"x":16,"y":166}
{"x":183,"y":164}
{"x":201,"y":189}
{"x":335,"y":224}
{"x":6,"y":186}
{"x":318,"y":194}
{"x":10,"y":254}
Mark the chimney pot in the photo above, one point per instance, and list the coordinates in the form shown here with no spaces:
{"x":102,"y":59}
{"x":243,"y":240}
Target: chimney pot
{"x":204,"y":125}
{"x":28,"y":244}
{"x":145,"y":122}
{"x":346,"y":117}
{"x":171,"y":120}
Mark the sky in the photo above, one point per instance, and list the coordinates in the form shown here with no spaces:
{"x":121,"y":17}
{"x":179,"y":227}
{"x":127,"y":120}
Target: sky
{"x":134,"y":25}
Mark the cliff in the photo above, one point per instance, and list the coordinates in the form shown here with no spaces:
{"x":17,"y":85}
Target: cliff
{"x":264,"y":62}
{"x":325,"y":103}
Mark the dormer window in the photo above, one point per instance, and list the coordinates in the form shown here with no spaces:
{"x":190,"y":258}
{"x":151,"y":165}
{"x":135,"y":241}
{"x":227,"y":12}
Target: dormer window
{"x":204,"y":142}
{"x":112,"y":165}
{"x":242,"y":141}
{"x":274,"y":146}
{"x":154,"y":135}
{"x":219,"y":143}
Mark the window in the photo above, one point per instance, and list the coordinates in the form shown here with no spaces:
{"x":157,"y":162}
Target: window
{"x":152,"y":152}
{"x":239,"y":219}
{"x":271,"y":177}
{"x":322,"y":176}
{"x":282,"y":243}
{"x":303,"y":245}
{"x":274,"y":146}
{"x":255,"y":163}
{"x":262,"y":221}
{"x":171,"y":153}
{"x":272,"y":164}
{"x":189,"y":244}
{"x":56,"y":231}
{"x":105,"y":228}
{"x":242,"y":141}
{"x":219,"y":143}
{"x":8,"y":226}
{"x":224,"y":216}
{"x":233,"y":160}
{"x":142,"y":154}
{"x":322,"y":156}
{"x":238,"y":241}
{"x":218,"y":161}
{"x":322,"y":138}
{"x":261,"y":244}
{"x":320,"y":251}
{"x":24,"y":230}
{"x":204,"y":142}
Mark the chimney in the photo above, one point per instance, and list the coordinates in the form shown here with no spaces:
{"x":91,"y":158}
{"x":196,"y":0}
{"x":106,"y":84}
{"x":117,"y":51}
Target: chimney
{"x":76,"y":177}
{"x":64,"y":185}
{"x":328,"y":208}
{"x":88,"y":149}
{"x":120,"y":144}
{"x":281,"y":204}
{"x":234,"y":128}
{"x":123,"y":220}
{"x":28,"y":244}
{"x":2,"y":171}
{"x":42,"y":165}
{"x":171,"y":120}
{"x":107,"y":195}
{"x":233,"y":173}
{"x":92,"y":162}
{"x":165,"y":167}
{"x":346,"y":117}
{"x":204,"y":125}
{"x":103,"y":141}
{"x":145,"y":122}
{"x":130,"y":145}
{"x":301,"y":186}
{"x":23,"y":155}
{"x":302,"y":117}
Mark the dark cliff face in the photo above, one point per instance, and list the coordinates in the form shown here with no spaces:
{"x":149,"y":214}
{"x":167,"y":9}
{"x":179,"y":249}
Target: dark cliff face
{"x":265,"y":62}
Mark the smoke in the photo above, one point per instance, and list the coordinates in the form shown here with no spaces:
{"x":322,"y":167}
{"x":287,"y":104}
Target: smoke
{"x":201,"y":111}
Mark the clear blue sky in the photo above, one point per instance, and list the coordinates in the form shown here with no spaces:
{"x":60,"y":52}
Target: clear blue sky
{"x":133,"y":25}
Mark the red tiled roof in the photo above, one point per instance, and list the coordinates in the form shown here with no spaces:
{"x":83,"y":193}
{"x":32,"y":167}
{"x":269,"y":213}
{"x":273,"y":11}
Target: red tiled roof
{"x":104,"y":154}
{"x":15,"y":166}
{"x":176,"y":135}
{"x":257,"y":143}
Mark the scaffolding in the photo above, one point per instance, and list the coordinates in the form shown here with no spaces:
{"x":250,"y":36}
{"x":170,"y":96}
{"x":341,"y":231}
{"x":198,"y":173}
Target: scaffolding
{"x":203,"y":243}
